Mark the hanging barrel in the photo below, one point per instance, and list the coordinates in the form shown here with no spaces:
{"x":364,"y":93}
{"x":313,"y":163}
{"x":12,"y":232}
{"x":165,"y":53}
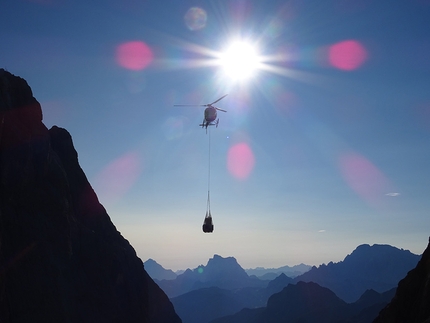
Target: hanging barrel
{"x":208,"y":226}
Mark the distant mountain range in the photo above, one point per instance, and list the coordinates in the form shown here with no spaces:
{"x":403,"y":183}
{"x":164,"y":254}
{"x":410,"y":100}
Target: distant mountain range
{"x":219,"y":272}
{"x":156,"y":271}
{"x":272,"y":273}
{"x":309,"y":302}
{"x":378,"y":267}
{"x":225,"y":301}
{"x":359,"y":282}
{"x":412,"y":300}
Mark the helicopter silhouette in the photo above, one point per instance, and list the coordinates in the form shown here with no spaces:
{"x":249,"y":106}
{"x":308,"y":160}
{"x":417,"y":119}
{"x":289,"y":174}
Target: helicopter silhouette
{"x":210,"y":116}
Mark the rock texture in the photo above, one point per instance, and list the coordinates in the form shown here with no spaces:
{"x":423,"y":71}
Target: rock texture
{"x":411,"y":303}
{"x":61,"y":258}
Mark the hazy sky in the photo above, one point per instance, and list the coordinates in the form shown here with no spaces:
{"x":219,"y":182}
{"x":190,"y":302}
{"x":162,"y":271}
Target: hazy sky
{"x":325,"y":146}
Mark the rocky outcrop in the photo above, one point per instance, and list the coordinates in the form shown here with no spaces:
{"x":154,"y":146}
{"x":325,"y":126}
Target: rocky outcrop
{"x":411,"y":303}
{"x":61,"y":258}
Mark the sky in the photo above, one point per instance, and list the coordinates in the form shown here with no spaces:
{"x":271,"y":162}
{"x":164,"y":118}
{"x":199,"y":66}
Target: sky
{"x":325,"y":144}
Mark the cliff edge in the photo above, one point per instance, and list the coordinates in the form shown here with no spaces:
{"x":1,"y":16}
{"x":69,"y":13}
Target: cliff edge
{"x":61,"y":257}
{"x":411,"y":303}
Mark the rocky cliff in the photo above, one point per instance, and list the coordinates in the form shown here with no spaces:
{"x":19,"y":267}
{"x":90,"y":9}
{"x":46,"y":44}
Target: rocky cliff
{"x":411,"y":303}
{"x":61,"y":258}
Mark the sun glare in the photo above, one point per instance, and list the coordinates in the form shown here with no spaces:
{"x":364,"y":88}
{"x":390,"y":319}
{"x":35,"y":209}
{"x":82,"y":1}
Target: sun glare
{"x":240,"y":61}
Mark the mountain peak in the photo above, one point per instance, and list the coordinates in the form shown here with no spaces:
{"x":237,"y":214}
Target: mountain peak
{"x":218,"y":267}
{"x":376,"y":254}
{"x":73,"y":264}
{"x":384,"y":263}
{"x":220,"y":258}
{"x":156,"y":271}
{"x":412,"y":297}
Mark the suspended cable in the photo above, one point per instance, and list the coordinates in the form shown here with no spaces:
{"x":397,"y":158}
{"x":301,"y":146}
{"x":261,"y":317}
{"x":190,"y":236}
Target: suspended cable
{"x":207,"y":224}
{"x":209,"y":163}
{"x":208,"y":206}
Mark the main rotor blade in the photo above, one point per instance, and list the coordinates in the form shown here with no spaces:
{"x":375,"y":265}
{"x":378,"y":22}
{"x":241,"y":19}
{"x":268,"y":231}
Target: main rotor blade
{"x":220,"y":109}
{"x":189,"y":105}
{"x":218,"y":99}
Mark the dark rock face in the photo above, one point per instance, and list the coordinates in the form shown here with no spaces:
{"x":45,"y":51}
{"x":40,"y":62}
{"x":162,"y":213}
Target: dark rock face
{"x":412,"y":300}
{"x":61,"y":258}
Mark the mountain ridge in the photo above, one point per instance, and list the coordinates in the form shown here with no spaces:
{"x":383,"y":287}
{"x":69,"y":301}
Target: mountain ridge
{"x":362,"y":308}
{"x":271,"y":273}
{"x":308,"y":302}
{"x":348,"y":278}
{"x":221,"y":272}
{"x":61,"y":257}
{"x":411,"y":303}
{"x":375,"y":267}
{"x":156,"y":271}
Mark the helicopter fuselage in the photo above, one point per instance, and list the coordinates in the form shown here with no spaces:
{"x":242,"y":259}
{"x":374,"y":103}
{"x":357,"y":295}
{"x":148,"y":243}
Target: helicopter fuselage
{"x":210,"y":114}
{"x":210,"y":118}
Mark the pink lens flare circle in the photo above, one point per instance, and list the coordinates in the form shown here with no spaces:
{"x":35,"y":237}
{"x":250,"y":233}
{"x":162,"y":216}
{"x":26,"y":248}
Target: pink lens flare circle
{"x":116,"y":179}
{"x":134,"y":55}
{"x":240,"y":161}
{"x":347,"y":55}
{"x":195,"y":18}
{"x":363,"y":177}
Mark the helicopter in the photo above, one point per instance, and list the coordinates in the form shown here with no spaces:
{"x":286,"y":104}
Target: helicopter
{"x":210,"y":117}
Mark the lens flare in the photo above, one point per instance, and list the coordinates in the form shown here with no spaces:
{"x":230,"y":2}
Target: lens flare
{"x":347,"y":55}
{"x":118,"y":176}
{"x":195,"y":18}
{"x":173,"y":127}
{"x":240,"y":60}
{"x":240,"y":161}
{"x":363,"y":177}
{"x":134,"y":55}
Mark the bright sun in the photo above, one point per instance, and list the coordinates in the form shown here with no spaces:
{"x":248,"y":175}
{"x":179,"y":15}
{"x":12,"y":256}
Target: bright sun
{"x":240,"y":61}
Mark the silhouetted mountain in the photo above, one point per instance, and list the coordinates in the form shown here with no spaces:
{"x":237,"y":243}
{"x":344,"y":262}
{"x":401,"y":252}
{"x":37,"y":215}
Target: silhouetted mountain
{"x":378,"y":267}
{"x":278,"y":284}
{"x":368,"y":306}
{"x":156,"y":271}
{"x":306,"y":302}
{"x":272,"y":273}
{"x":224,"y":273}
{"x":246,"y":315}
{"x":206,"y":304}
{"x":61,"y":258}
{"x":309,"y":302}
{"x":366,"y":261}
{"x":246,"y":297}
{"x":411,"y":302}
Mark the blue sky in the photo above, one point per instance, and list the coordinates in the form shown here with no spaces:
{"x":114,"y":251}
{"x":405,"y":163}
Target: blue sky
{"x":324,"y":148}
